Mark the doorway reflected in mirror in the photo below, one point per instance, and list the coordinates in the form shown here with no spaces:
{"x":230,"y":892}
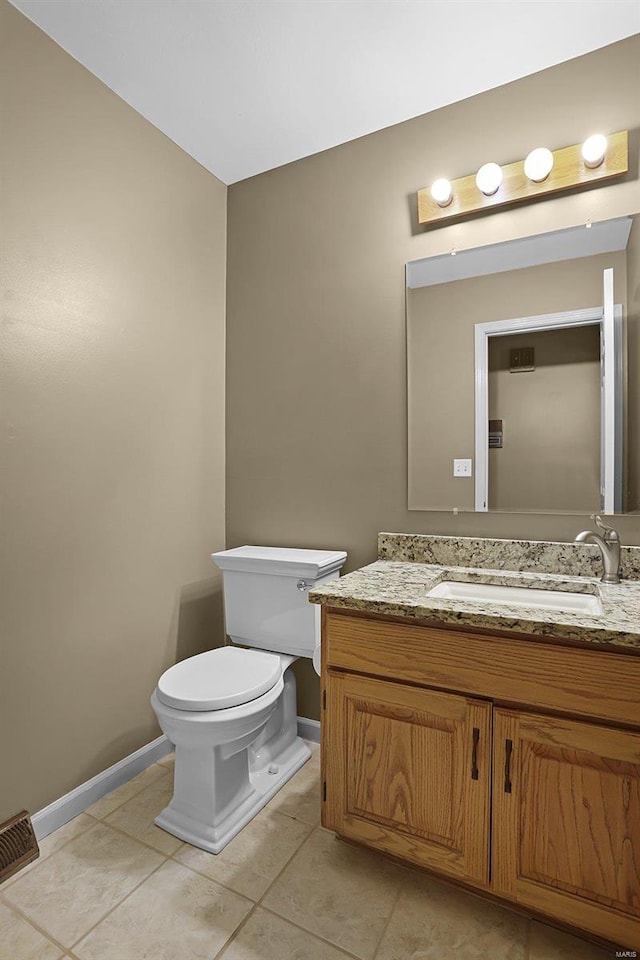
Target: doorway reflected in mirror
{"x":558,"y":445}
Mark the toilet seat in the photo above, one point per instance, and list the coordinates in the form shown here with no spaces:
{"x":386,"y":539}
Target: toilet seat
{"x":218,"y":679}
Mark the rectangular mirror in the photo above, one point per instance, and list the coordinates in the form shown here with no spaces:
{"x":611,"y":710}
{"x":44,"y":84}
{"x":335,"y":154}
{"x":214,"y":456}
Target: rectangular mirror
{"x":523,"y":367}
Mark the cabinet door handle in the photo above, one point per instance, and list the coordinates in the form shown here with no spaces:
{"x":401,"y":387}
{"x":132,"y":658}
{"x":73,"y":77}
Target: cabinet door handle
{"x":508,"y":750}
{"x":474,"y":753}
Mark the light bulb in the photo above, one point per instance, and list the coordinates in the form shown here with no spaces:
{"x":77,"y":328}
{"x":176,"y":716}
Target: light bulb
{"x":489,"y":179}
{"x":441,"y":192}
{"x":538,"y":164}
{"x":593,"y":150}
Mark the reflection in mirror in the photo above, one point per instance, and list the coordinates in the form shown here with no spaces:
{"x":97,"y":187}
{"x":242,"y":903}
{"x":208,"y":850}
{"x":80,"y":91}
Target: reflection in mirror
{"x":555,"y":411}
{"x":570,"y":415}
{"x":540,"y":446}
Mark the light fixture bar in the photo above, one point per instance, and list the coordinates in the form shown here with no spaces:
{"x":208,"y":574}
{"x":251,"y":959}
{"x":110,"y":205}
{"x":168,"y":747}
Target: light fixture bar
{"x":569,"y":172}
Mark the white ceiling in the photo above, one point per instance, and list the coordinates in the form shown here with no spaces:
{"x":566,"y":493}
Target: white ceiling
{"x":247,"y":85}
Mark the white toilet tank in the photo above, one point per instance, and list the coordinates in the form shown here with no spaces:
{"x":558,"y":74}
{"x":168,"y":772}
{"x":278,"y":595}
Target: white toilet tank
{"x":265,"y":595}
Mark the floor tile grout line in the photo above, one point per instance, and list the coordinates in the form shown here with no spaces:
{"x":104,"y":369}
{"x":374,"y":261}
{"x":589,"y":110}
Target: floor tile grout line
{"x":132,"y":836}
{"x":170,"y":857}
{"x":280,"y":872}
{"x":174,"y":857}
{"x":288,"y":919}
{"x":110,"y":826}
{"x":119,"y":904}
{"x":165,"y":772}
{"x":36,"y":927}
{"x":258,"y":903}
{"x":312,"y":933}
{"x":40,"y":860}
{"x":49,"y":936}
{"x":401,"y":886}
{"x":233,"y":936}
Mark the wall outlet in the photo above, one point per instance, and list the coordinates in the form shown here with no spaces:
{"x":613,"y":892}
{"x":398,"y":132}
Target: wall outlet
{"x":463,"y":468}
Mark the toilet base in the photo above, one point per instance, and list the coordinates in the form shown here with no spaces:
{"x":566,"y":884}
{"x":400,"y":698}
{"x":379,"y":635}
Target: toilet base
{"x":230,"y":762}
{"x":261,"y":787}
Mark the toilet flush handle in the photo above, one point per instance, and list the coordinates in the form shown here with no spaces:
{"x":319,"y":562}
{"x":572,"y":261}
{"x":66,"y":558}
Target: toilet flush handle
{"x":303,"y":585}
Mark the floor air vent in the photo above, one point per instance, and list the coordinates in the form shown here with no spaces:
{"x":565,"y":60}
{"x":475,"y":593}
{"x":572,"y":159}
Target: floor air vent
{"x":18,"y":844}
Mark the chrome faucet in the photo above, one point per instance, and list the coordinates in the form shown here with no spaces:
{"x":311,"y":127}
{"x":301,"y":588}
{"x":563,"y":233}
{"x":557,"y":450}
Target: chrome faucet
{"x":609,"y":548}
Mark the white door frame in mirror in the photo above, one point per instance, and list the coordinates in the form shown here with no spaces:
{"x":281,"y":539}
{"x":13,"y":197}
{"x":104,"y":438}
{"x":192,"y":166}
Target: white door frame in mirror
{"x":610,"y":321}
{"x":612,"y":402}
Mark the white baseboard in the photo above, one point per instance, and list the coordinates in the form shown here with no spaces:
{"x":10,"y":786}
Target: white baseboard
{"x":309,"y":729}
{"x":59,"y":812}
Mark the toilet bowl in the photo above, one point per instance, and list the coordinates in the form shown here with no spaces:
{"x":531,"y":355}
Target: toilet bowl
{"x":231,"y":713}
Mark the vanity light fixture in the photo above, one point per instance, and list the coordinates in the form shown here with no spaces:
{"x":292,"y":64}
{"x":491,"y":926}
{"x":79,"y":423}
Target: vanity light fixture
{"x":538,"y":164}
{"x":441,"y":192}
{"x":489,"y":179}
{"x":542,"y":173}
{"x":594,"y":150}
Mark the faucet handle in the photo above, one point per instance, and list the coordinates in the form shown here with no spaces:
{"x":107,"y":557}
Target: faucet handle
{"x":609,"y":532}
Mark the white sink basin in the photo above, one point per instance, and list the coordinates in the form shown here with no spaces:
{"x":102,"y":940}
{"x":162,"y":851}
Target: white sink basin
{"x":488,"y":593}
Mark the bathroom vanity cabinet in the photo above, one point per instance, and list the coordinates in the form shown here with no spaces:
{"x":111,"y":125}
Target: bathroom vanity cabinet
{"x":509,"y":763}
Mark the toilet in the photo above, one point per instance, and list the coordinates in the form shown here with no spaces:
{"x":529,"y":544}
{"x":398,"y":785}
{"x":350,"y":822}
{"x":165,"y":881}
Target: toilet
{"x":231,"y":712}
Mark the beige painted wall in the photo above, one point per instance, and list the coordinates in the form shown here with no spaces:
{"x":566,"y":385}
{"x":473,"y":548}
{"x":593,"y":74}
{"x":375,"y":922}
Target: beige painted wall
{"x":441,"y":360}
{"x":112,"y":418}
{"x":550,"y":457}
{"x":316,"y":398}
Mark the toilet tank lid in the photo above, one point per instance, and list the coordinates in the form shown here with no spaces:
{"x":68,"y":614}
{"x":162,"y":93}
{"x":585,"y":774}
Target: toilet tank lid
{"x":281,"y":561}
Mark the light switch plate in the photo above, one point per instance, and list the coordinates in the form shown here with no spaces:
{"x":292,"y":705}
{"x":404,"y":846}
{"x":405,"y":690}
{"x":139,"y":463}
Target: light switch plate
{"x":463,"y":468}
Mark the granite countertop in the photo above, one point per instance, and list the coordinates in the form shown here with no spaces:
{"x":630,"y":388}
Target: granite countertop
{"x":398,"y":588}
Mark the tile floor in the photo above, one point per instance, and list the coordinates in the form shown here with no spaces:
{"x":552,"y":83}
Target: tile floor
{"x":110,"y":885}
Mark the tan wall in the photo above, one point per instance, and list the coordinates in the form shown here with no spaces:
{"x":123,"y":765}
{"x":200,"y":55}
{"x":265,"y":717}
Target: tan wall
{"x":441,"y":379}
{"x":317,"y":423}
{"x":550,"y":457}
{"x":112,"y":418}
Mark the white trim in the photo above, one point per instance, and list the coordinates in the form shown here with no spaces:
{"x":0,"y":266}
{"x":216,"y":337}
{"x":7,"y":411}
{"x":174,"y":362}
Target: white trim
{"x":59,"y":812}
{"x":72,"y":804}
{"x":309,"y":729}
{"x":503,"y":328}
{"x":619,"y":407}
{"x":608,"y":395}
{"x":481,"y":467}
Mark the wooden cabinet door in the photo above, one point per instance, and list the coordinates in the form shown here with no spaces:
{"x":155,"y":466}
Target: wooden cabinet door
{"x":408,"y":772}
{"x":566,"y":821}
